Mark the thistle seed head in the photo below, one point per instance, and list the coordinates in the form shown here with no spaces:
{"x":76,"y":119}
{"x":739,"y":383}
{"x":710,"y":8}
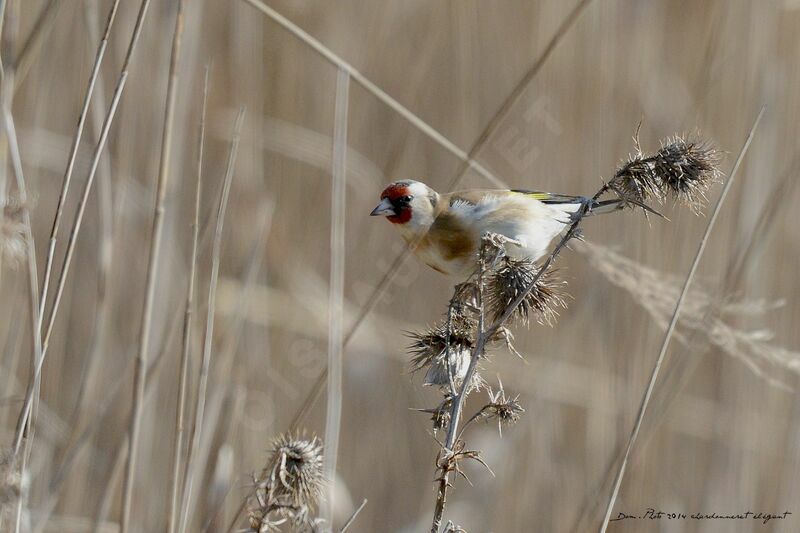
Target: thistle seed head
{"x":510,"y":278}
{"x":636,"y":181}
{"x":289,"y":487}
{"x":505,"y":410}
{"x":687,"y":169}
{"x":294,"y":474}
{"x":429,"y":349}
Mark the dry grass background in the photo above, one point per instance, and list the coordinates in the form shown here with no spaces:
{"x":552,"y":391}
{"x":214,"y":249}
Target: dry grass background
{"x":721,"y":437}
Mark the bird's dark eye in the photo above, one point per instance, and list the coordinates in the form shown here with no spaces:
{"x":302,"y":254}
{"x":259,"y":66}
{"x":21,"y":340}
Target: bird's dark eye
{"x":406,"y":199}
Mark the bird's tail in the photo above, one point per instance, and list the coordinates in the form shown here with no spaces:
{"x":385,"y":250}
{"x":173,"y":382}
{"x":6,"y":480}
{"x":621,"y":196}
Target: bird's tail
{"x":606,"y":206}
{"x":573,"y":205}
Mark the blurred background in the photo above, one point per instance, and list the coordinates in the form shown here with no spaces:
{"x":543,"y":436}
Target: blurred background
{"x":544,"y":95}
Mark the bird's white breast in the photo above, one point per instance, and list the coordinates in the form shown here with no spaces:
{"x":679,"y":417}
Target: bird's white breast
{"x":524,"y":219}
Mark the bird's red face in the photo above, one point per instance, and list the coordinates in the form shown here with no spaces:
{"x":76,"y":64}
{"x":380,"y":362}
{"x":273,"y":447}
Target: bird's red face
{"x":395,"y":204}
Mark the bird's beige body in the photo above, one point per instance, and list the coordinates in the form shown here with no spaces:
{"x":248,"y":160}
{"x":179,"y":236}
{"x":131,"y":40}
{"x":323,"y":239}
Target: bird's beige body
{"x":447,"y":231}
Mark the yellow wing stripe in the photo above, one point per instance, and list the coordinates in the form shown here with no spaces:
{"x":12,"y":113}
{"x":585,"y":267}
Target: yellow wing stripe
{"x":547,"y":196}
{"x":537,"y":195}
{"x":540,"y":195}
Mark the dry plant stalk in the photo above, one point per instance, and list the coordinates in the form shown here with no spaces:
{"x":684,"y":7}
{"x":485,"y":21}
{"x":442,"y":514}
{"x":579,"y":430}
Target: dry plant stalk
{"x":27,"y":425}
{"x":26,"y":429}
{"x":73,"y":153}
{"x":140,"y":368}
{"x":187,"y":321}
{"x":202,"y":387}
{"x":29,"y":401}
{"x":506,"y":291}
{"x":333,"y":418}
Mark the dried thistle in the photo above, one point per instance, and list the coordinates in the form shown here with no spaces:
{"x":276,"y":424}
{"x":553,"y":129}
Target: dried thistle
{"x":290,"y":486}
{"x":510,"y":278}
{"x":429,"y":349}
{"x":636,"y":180}
{"x":687,"y":169}
{"x":295,"y":470}
{"x":683,"y":169}
{"x":505,"y":410}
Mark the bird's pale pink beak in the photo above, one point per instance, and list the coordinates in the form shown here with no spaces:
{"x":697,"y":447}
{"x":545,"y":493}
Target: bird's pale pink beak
{"x":385,"y":209}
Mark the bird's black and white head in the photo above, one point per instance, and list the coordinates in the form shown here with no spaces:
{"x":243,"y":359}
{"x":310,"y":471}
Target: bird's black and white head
{"x":408,"y":204}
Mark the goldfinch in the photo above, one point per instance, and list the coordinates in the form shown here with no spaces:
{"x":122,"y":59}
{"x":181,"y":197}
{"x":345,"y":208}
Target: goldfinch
{"x":448,"y":227}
